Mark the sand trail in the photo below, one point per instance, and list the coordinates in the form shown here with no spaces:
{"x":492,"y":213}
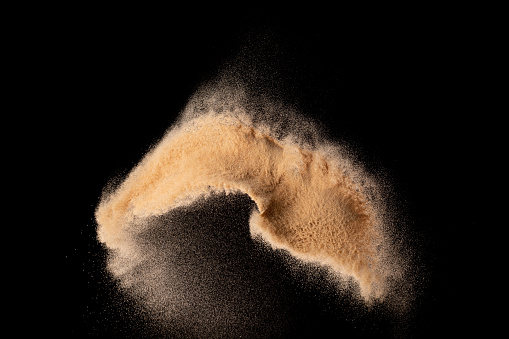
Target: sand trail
{"x":307,"y":201}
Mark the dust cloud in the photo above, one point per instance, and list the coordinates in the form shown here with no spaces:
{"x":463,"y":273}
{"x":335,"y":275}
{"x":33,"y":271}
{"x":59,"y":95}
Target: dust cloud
{"x":310,"y":198}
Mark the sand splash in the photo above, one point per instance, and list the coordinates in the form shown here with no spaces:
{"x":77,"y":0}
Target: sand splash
{"x":310,"y":199}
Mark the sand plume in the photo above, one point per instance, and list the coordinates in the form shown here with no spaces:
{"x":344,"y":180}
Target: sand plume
{"x":309,"y":198}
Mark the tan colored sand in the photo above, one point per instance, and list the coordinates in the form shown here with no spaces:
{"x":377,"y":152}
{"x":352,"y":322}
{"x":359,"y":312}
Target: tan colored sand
{"x":307,"y":201}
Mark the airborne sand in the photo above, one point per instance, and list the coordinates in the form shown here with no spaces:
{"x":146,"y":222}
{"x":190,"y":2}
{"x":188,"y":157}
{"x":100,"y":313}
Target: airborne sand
{"x":310,"y":199}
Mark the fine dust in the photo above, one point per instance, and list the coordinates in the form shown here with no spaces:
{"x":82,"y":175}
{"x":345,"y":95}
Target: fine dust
{"x":310,"y":199}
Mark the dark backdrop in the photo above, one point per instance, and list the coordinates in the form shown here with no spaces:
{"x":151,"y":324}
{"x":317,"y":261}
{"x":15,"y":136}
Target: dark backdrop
{"x":390,"y":85}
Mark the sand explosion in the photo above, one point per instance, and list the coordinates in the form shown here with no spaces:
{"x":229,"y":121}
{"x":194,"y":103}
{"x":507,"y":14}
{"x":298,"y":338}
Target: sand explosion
{"x":310,"y":199}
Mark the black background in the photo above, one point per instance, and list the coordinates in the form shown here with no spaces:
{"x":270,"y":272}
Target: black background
{"x":397,"y":87}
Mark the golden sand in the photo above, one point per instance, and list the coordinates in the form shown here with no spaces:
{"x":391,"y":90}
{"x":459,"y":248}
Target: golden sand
{"x":310,"y":200}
